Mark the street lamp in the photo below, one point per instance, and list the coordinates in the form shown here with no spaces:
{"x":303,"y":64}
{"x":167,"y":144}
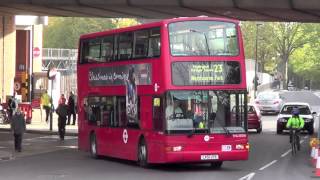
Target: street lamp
{"x":255,"y":80}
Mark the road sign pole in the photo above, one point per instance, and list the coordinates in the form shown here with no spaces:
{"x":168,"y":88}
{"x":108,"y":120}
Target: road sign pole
{"x":51,"y":108}
{"x":318,"y":129}
{"x":51,"y":76}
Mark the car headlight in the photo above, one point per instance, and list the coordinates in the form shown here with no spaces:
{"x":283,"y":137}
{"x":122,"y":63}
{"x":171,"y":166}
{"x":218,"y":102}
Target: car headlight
{"x":308,"y":120}
{"x":282,"y":120}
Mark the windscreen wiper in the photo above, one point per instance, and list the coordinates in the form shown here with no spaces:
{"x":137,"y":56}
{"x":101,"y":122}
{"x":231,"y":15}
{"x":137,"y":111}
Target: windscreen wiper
{"x":226,"y":130}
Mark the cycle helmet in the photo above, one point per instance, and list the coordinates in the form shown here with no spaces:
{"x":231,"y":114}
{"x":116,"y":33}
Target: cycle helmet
{"x":295,"y":112}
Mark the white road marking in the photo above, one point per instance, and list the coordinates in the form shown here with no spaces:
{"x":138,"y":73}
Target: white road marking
{"x":248,"y":177}
{"x":267,"y":165}
{"x":286,"y":153}
{"x":301,"y":141}
{"x":69,"y":147}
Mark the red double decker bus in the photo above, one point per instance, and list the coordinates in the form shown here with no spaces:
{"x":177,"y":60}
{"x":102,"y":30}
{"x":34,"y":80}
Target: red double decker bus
{"x":172,"y":91}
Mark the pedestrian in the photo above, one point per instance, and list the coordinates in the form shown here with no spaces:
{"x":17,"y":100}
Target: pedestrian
{"x":46,"y":101}
{"x":62,"y":98}
{"x":18,"y":127}
{"x":12,"y":106}
{"x":72,"y":109}
{"x":62,"y":112}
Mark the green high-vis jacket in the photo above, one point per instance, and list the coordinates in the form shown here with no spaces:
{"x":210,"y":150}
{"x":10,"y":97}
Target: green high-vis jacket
{"x":295,"y":122}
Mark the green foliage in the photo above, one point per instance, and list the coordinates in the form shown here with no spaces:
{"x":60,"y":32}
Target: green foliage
{"x":64,"y":32}
{"x":279,"y":43}
{"x":306,"y":60}
{"x":265,"y":53}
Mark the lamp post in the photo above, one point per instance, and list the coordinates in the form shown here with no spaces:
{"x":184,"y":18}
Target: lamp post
{"x":255,"y":80}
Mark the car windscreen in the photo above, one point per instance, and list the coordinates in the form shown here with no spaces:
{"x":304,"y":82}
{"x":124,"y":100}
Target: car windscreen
{"x":303,"y":109}
{"x":268,"y":96}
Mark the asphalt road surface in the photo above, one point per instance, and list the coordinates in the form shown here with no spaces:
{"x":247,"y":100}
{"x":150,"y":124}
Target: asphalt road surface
{"x":270,"y":158}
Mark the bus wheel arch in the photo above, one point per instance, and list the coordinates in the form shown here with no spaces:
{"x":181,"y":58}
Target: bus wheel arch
{"x":142,"y":153}
{"x":93,"y":145}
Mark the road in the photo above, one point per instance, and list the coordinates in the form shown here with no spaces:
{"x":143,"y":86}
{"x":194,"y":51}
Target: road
{"x":52,"y":159}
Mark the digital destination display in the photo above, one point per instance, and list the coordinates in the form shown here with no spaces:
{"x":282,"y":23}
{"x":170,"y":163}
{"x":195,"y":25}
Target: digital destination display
{"x":206,"y":73}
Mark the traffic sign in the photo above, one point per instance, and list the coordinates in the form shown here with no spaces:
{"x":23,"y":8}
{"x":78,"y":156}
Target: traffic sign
{"x":36,"y":52}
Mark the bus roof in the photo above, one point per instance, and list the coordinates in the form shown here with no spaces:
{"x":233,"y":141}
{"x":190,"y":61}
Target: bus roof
{"x":154,"y":24}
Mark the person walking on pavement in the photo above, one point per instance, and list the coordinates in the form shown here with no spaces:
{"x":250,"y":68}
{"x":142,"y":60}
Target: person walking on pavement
{"x":61,"y":99}
{"x":62,"y":112}
{"x":46,"y":104}
{"x":18,"y":127}
{"x":12,"y":106}
{"x":72,"y":109}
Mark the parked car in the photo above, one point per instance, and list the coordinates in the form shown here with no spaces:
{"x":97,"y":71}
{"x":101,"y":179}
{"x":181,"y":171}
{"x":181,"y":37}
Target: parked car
{"x":254,"y":117}
{"x":269,"y":101}
{"x":305,"y":113}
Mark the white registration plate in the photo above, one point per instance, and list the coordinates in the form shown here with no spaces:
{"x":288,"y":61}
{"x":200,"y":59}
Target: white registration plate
{"x":209,"y":156}
{"x":226,"y":148}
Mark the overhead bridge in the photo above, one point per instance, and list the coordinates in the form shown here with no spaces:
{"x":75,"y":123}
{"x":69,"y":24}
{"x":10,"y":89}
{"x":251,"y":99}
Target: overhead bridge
{"x":257,"y":10}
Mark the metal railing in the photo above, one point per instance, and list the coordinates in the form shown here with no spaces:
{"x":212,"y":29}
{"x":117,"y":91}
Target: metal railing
{"x":65,"y":60}
{"x":62,"y":59}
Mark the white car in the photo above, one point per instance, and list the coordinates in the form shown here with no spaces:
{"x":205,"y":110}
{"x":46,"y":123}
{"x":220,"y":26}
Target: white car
{"x":305,"y":113}
{"x":269,"y":101}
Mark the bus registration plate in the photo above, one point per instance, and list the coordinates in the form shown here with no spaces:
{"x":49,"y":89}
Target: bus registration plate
{"x":209,"y":156}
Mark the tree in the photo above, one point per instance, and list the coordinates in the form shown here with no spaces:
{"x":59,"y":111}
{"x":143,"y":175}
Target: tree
{"x":64,"y":32}
{"x":306,"y":60}
{"x":265,"y":52}
{"x":288,"y":37}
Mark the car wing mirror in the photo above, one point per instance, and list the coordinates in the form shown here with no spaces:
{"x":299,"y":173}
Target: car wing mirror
{"x":314,"y":113}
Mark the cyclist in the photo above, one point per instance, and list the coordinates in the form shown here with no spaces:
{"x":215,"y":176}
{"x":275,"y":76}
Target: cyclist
{"x":295,"y":122}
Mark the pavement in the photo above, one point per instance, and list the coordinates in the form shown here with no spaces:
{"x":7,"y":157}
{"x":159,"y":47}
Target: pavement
{"x":38,"y":138}
{"x":38,"y":125}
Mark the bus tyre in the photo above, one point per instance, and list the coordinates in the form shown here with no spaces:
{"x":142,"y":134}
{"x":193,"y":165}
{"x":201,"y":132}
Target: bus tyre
{"x":93,"y":146}
{"x":216,"y":165}
{"x":143,"y":154}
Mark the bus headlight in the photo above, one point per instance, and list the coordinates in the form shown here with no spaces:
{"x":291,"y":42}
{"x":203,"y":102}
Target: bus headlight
{"x":239,"y":147}
{"x":173,"y":148}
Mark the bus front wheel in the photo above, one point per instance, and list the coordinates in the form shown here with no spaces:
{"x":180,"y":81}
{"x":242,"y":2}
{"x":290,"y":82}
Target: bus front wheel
{"x":93,"y":146}
{"x":216,"y":165}
{"x":143,"y":154}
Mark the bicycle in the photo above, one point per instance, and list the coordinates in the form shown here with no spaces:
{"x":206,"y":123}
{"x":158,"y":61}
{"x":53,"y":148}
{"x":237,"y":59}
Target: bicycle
{"x":295,"y":142}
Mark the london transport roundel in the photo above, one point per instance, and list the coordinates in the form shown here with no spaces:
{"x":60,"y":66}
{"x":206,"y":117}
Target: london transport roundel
{"x":206,"y":138}
{"x":125,"y":136}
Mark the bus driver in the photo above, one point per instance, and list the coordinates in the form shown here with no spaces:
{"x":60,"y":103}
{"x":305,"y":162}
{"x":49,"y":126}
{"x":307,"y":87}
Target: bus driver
{"x":173,"y":110}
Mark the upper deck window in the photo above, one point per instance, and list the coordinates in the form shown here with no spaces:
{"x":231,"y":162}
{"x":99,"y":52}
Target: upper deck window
{"x":203,"y":38}
{"x":130,"y":45}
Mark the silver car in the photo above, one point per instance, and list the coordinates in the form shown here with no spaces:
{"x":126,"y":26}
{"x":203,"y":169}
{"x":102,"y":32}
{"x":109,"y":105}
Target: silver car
{"x":269,"y":101}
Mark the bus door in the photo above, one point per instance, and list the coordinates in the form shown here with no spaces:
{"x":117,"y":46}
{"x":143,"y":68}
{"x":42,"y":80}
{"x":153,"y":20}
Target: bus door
{"x":99,"y":115}
{"x":126,"y":136}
